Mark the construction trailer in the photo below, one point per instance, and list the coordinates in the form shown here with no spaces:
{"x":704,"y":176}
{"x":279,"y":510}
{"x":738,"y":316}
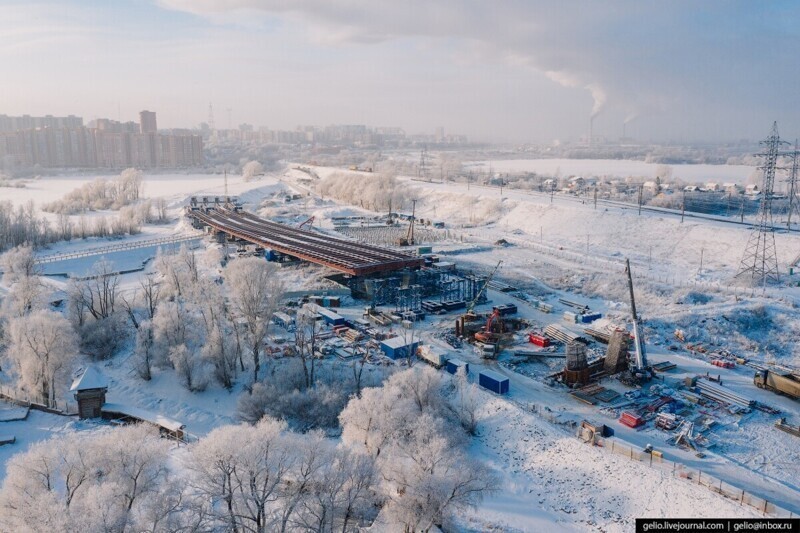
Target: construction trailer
{"x":398,"y":347}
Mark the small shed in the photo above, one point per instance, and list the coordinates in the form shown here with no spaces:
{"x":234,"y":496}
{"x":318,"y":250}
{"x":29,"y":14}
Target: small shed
{"x":397,"y":347}
{"x":90,"y":392}
{"x":131,"y":414}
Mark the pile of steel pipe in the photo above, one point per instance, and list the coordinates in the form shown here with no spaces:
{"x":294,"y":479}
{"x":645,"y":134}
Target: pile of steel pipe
{"x":722,"y":394}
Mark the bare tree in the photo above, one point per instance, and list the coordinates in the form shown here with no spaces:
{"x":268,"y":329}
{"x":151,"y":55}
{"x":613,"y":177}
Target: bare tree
{"x":256,"y":292}
{"x":151,"y":292}
{"x":305,"y":341}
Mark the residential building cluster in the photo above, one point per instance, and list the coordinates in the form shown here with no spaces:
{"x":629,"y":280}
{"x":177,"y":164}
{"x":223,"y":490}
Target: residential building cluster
{"x":63,"y":142}
{"x":355,"y":135}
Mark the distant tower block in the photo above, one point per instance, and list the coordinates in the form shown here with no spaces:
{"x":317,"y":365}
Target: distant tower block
{"x":577,"y":369}
{"x":760,"y":260}
{"x":90,"y":392}
{"x":617,"y":353}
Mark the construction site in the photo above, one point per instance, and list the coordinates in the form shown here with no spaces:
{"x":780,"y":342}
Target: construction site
{"x":405,"y":287}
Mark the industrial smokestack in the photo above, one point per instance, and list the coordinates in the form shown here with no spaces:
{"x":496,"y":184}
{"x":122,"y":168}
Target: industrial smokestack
{"x":591,"y":126}
{"x":623,"y":129}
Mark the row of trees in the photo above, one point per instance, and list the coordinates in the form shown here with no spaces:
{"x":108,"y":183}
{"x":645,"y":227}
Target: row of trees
{"x":402,"y":455}
{"x":22,"y":225}
{"x":378,"y":192}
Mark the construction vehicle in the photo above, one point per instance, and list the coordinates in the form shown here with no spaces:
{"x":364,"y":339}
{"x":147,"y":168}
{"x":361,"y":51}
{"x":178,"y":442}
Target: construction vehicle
{"x":489,"y":335}
{"x":784,"y":383}
{"x":309,"y":220}
{"x":639,"y":371}
{"x":408,"y":240}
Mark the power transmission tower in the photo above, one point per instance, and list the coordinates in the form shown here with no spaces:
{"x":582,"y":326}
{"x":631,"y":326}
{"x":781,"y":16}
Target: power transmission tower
{"x":760,"y":259}
{"x":422,"y":171}
{"x":210,"y":117}
{"x":794,"y":203}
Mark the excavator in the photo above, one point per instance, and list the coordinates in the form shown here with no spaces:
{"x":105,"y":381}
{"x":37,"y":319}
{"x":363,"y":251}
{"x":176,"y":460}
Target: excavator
{"x":487,"y":335}
{"x":307,"y":221}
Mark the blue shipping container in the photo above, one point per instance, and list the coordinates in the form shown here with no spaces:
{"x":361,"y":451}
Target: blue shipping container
{"x":493,"y":381}
{"x":590,"y":317}
{"x":396,"y":347}
{"x":454,"y":364}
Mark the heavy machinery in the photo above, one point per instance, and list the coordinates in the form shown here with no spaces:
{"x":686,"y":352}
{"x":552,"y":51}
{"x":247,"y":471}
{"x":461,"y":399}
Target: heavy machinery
{"x":488,"y":335}
{"x":784,"y":383}
{"x":640,"y":370}
{"x":309,"y":220}
{"x":470,"y":313}
{"x":408,"y":240}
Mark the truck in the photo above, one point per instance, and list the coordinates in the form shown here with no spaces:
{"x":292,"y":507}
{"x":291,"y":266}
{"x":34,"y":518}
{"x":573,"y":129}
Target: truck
{"x":432,"y":356}
{"x":779,"y":382}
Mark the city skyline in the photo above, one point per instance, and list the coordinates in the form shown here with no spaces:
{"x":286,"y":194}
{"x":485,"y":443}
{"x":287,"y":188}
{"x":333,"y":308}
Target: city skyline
{"x":519,"y":71}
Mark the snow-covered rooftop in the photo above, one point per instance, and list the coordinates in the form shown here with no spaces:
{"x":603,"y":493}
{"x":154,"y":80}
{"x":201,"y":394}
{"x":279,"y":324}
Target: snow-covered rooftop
{"x":90,"y":379}
{"x":142,"y":414}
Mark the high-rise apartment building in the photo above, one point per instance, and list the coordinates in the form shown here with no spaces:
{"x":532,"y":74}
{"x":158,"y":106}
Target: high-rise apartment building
{"x":147,"y":122}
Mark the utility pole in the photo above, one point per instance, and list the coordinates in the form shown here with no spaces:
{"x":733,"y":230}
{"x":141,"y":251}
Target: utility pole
{"x":641,"y":189}
{"x":595,"y":196}
{"x":552,"y":192}
{"x":702,"y":250}
{"x":683,"y":205}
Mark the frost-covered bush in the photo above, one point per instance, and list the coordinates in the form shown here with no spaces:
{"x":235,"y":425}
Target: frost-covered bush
{"x":374,"y":192}
{"x":100,"y":194}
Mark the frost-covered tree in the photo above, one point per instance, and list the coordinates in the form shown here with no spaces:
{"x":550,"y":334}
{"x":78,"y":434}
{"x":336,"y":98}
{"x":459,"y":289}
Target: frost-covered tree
{"x":18,"y":263}
{"x":245,"y":468}
{"x":255,"y":293}
{"x":252,"y":169}
{"x":116,"y":480}
{"x":430,"y":476}
{"x":44,"y":348}
{"x":144,"y":351}
{"x":190,"y":367}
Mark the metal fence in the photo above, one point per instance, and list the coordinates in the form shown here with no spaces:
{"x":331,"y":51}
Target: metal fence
{"x":679,"y":470}
{"x":38,"y":402}
{"x":129,"y":245}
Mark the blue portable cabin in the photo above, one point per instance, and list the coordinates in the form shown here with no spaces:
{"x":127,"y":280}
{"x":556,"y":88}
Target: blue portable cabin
{"x":453,"y":365}
{"x":397,"y":347}
{"x":493,"y":381}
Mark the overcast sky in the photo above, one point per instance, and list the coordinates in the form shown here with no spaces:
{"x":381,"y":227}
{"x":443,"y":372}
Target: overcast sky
{"x":495,"y":70}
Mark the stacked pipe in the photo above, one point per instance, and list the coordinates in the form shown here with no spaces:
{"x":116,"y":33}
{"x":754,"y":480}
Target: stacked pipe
{"x":722,"y":394}
{"x":556,"y":332}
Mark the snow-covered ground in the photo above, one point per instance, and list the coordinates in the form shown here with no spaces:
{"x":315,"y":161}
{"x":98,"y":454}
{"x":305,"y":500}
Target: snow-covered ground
{"x":552,"y":480}
{"x":620,"y":169}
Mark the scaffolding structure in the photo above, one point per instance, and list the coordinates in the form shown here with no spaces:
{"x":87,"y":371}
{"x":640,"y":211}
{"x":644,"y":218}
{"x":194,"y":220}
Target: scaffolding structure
{"x":406,"y":290}
{"x":760,"y":260}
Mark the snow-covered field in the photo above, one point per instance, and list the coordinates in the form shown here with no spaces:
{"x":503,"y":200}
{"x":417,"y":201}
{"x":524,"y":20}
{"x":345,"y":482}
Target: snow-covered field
{"x":619,"y":168}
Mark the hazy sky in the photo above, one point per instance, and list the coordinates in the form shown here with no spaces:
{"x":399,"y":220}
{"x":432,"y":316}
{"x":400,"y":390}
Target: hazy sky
{"x":493,"y":69}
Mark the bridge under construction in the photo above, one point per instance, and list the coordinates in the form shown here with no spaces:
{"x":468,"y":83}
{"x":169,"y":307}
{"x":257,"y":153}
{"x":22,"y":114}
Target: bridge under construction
{"x":342,"y":255}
